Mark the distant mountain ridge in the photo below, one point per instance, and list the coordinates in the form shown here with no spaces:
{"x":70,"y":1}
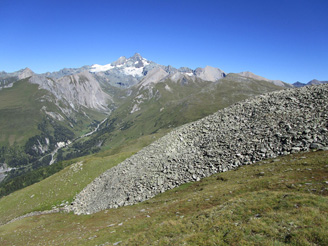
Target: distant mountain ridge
{"x":122,"y":73}
{"x":312,"y":82}
{"x":254,"y":76}
{"x":126,"y":72}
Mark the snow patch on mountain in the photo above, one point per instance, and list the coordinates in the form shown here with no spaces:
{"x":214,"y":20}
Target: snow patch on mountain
{"x":133,"y":71}
{"x":101,"y":68}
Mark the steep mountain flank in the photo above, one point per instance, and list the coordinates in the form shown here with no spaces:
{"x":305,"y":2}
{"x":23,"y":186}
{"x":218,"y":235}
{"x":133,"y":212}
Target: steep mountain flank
{"x":39,"y":114}
{"x":167,"y":104}
{"x":81,"y":89}
{"x":266,"y":126}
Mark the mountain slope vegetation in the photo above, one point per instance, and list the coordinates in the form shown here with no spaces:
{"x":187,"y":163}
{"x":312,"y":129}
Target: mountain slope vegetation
{"x":53,"y":117}
{"x":281,"y":201}
{"x":32,"y":124}
{"x":275,"y":201}
{"x":41,"y":111}
{"x":168,"y":104}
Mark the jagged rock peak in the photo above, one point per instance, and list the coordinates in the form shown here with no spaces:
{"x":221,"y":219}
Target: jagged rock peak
{"x":136,"y":57}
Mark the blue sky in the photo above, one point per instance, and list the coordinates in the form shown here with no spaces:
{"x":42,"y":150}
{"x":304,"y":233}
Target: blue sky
{"x":281,"y":39}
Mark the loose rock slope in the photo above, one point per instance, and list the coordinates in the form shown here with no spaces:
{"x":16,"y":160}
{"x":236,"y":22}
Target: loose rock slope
{"x":266,"y":126}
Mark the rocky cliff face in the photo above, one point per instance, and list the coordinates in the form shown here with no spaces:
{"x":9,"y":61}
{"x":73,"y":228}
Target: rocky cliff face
{"x":266,"y":126}
{"x":78,"y":90}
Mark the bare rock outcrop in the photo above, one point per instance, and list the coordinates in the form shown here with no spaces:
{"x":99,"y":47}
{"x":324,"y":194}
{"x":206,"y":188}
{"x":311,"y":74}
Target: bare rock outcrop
{"x":266,"y":126}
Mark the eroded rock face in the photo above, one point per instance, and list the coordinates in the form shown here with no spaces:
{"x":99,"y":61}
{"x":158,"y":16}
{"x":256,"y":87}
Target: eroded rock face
{"x":266,"y":126}
{"x":81,"y":89}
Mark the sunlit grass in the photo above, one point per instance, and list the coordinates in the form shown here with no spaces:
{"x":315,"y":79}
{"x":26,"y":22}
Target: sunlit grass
{"x":273,"y":202}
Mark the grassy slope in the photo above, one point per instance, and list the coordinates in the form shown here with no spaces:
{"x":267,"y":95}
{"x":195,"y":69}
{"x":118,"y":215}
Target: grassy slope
{"x":19,"y":112}
{"x":273,"y":202}
{"x":63,"y":185}
{"x":186,"y":103}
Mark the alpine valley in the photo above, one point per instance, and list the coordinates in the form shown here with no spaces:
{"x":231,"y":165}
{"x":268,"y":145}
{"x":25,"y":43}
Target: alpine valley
{"x":46,"y":118}
{"x":79,"y":145}
{"x":51,"y":117}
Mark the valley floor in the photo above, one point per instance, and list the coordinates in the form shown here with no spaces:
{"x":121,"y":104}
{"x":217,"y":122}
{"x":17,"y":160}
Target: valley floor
{"x":273,"y":202}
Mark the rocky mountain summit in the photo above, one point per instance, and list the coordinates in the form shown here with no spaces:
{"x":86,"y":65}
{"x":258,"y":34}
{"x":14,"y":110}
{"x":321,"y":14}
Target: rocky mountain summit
{"x":266,"y":126}
{"x":126,"y":72}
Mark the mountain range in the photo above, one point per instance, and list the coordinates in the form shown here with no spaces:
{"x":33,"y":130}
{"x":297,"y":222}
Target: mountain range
{"x":73,"y":112}
{"x":126,"y":72}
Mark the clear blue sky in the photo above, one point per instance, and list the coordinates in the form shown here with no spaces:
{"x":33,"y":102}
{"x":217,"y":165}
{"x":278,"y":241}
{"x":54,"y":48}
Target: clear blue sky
{"x":280,"y":39}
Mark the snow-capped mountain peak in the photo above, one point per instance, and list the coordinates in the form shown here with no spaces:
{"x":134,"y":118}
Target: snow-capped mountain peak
{"x":132,"y":66}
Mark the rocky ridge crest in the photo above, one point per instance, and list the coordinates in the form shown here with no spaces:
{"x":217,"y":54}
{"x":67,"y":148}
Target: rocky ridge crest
{"x":266,"y":126}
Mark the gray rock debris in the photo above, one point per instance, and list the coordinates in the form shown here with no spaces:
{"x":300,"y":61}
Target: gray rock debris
{"x":266,"y":126}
